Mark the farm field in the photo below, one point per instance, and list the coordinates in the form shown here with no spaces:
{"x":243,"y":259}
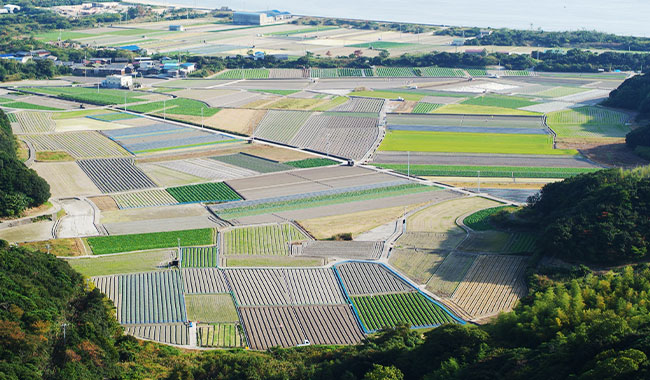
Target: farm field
{"x":493,"y":284}
{"x":204,"y":192}
{"x":330,"y":325}
{"x":211,"y":308}
{"x":207,"y":169}
{"x":271,"y":261}
{"x":244,"y":74}
{"x":115,"y":174}
{"x":499,"y":101}
{"x":311,"y":163}
{"x":261,"y":240}
{"x":281,"y":126}
{"x":364,"y":278}
{"x":250,"y":162}
{"x":389,"y":95}
{"x":136,"y":242}
{"x":387,"y":310}
{"x":226,"y":335}
{"x":470,"y":143}
{"x":341,"y":249}
{"x":240,"y":121}
{"x":450,"y":273}
{"x":442,"y":217}
{"x":145,"y":198}
{"x":482,"y":110}
{"x":176,"y":106}
{"x":479,"y":221}
{"x":32,"y":122}
{"x":484,"y":121}
{"x":395,"y":72}
{"x":78,"y":144}
{"x":128,"y":263}
{"x":422,"y":107}
{"x":151,"y":297}
{"x":485,"y":171}
{"x":168,"y":333}
{"x":320,"y":200}
{"x":198,"y":257}
{"x":204,"y":281}
{"x":91,"y":95}
{"x":65,"y":179}
{"x":418,"y":264}
{"x":588,"y":122}
{"x":357,"y":104}
{"x":441,"y":72}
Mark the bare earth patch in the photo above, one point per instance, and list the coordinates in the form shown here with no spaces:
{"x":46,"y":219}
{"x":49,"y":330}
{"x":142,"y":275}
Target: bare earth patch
{"x":66,"y":179}
{"x":104,"y":203}
{"x":615,"y":154}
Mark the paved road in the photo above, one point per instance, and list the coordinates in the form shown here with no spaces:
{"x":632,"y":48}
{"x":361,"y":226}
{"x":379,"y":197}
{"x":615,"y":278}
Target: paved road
{"x":79,"y":220}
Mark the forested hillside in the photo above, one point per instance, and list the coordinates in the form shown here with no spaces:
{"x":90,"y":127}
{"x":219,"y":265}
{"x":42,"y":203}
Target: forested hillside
{"x":20,"y":187}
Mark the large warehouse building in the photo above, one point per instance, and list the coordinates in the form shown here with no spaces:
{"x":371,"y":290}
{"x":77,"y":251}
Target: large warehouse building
{"x":259,"y":18}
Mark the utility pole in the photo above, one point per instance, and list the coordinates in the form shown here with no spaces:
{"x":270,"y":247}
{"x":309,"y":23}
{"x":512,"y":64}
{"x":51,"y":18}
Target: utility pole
{"x":408,"y":164}
{"x":64,"y":326}
{"x":202,"y":126}
{"x":479,"y":181}
{"x":124,"y":100}
{"x":164,"y":109}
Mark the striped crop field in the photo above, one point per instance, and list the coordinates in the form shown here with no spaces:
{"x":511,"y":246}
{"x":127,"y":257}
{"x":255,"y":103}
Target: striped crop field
{"x":477,"y":72}
{"x":12,"y":117}
{"x":281,"y":126}
{"x":223,"y":335}
{"x":388,"y":310}
{"x":271,"y":239}
{"x":176,"y":106}
{"x":115,"y":174}
{"x":324,"y":73}
{"x":480,"y":220}
{"x":311,"y":163}
{"x":486,"y":171}
{"x":418,"y":264}
{"x":360,"y":105}
{"x":322,"y":200}
{"x":91,"y":94}
{"x":499,"y":101}
{"x":244,"y":74}
{"x":364,"y":278}
{"x":84,"y":144}
{"x":204,"y":281}
{"x":450,"y":273}
{"x":113,"y":116}
{"x":395,"y":72}
{"x":211,"y":308}
{"x":199,"y":257}
{"x":204,"y":192}
{"x":442,"y":72}
{"x":32,"y":122}
{"x":169,"y":333}
{"x":589,"y":122}
{"x":144,"y":198}
{"x":423,"y":107}
{"x":152,"y":297}
{"x":101,"y":245}
{"x":250,"y":162}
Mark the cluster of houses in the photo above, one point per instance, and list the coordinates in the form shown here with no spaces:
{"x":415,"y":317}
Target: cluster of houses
{"x":143,"y":66}
{"x":26,"y":56}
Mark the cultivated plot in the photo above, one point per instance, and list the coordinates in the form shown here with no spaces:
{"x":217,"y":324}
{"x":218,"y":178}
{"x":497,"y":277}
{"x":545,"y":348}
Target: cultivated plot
{"x":223,"y":335}
{"x":204,"y":281}
{"x":86,"y":144}
{"x":340,"y":249}
{"x":207,"y":169}
{"x":211,"y":308}
{"x":115,"y":174}
{"x":273,"y":239}
{"x":168,"y":333}
{"x":361,"y":278}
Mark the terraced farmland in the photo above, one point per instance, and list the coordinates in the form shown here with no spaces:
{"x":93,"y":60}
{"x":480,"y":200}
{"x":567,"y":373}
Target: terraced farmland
{"x":160,"y":137}
{"x":168,"y":333}
{"x":439,"y":72}
{"x":492,"y":285}
{"x":244,"y":74}
{"x":204,"y":281}
{"x":348,"y":137}
{"x":430,"y":240}
{"x":423,"y":107}
{"x":204,"y":192}
{"x":199,"y":257}
{"x":144,"y":198}
{"x":223,"y":335}
{"x":208,"y":169}
{"x":340,"y":249}
{"x":211,"y":308}
{"x":331,"y":325}
{"x":32,"y":122}
{"x":115,"y":174}
{"x":417,"y":264}
{"x":348,"y":72}
{"x":324,"y":73}
{"x":360,"y":278}
{"x":261,"y":240}
{"x":110,"y":286}
{"x":288,"y":73}
{"x":250,"y":162}
{"x":387,"y":310}
{"x":590,"y":122}
{"x":258,"y":287}
{"x":152,"y":297}
{"x":395,"y":72}
{"x":268,"y":327}
{"x":358,"y":104}
{"x":450,"y":273}
{"x":477,"y":72}
{"x":317,"y":286}
{"x":281,"y":126}
{"x":85,"y":144}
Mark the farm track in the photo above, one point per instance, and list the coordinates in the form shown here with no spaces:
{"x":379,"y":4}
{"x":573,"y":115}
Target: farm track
{"x":115,"y":174}
{"x":493,"y":284}
{"x":360,"y":278}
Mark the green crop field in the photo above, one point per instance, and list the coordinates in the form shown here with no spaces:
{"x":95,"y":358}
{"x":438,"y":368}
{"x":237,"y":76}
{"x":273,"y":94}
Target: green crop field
{"x":311,"y":163}
{"x":387,"y":310}
{"x":91,"y":94}
{"x":441,"y":72}
{"x":28,"y":106}
{"x":486,"y":171}
{"x":80,"y":113}
{"x":477,"y":72}
{"x":101,"y":245}
{"x":12,"y":118}
{"x":590,"y":122}
{"x":176,"y":106}
{"x":114,"y":116}
{"x":129,"y":263}
{"x":301,"y":31}
{"x":384,"y":45}
{"x":211,"y":308}
{"x":323,"y":73}
{"x":244,"y":74}
{"x":336,"y":101}
{"x":557,"y":92}
{"x":452,"y":142}
{"x":227,"y":335}
{"x":204,"y":192}
{"x":389,"y":95}
{"x":395,"y":72}
{"x":271,"y":239}
{"x":472,"y":109}
{"x":479,"y":221}
{"x":199,"y":257}
{"x":500,"y":101}
{"x":324,"y":200}
{"x":422,"y":107}
{"x":521,"y":243}
{"x":67,"y":35}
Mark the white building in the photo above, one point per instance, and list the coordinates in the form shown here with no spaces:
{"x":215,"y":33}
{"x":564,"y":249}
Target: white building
{"x":177,"y":28}
{"x":118,"y":81}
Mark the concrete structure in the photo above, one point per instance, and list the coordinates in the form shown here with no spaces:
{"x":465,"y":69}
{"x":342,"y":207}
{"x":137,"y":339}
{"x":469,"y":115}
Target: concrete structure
{"x":177,"y":28}
{"x":259,"y":18}
{"x":458,"y":42}
{"x":118,"y":81}
{"x":12,"y":8}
